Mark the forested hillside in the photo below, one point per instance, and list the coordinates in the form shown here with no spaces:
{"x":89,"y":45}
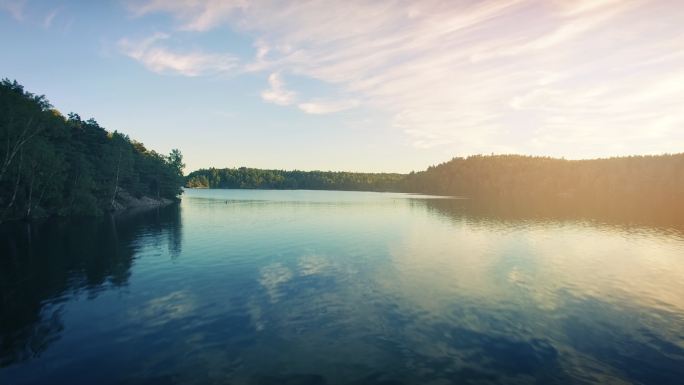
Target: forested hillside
{"x":56,"y":165}
{"x":279,"y":179}
{"x":618,"y":183}
{"x":628,"y":181}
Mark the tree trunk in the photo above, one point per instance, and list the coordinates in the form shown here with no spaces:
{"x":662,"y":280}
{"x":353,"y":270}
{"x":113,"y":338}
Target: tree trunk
{"x":30,"y":194}
{"x":116,"y":182}
{"x":45,"y":187}
{"x":13,"y":150}
{"x":16,"y":189}
{"x":73,"y":189}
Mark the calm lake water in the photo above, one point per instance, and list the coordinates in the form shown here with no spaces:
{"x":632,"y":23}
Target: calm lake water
{"x":321,"y":287}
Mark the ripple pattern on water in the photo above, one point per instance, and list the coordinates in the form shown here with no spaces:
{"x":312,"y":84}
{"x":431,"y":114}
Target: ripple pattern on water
{"x":315,"y":287}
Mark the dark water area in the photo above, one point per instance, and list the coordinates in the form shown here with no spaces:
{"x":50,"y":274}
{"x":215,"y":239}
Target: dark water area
{"x":323,"y":287}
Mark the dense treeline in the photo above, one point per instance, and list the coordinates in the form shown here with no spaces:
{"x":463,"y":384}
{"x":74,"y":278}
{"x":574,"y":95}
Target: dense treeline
{"x":52,"y":165}
{"x":625,"y":181}
{"x":617,"y":183}
{"x":251,"y":178}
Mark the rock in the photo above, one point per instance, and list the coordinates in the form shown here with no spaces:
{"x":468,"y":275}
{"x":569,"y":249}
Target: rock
{"x":125,"y":201}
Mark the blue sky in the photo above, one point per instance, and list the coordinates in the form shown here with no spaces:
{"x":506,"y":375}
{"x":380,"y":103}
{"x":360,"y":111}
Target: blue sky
{"x":362,"y":86}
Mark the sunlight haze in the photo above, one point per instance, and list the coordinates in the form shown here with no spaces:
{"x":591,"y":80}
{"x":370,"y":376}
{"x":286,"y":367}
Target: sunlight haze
{"x":360,"y":86}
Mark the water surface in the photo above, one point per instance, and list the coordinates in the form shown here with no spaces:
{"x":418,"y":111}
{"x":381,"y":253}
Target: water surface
{"x":320,"y":287}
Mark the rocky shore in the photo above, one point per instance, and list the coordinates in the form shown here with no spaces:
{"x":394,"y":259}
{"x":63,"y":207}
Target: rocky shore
{"x":125,"y":201}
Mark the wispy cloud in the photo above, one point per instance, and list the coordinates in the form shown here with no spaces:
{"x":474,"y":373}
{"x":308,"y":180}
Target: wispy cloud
{"x":49,"y":18}
{"x":319,"y":107}
{"x":194,"y":15}
{"x":156,"y":57}
{"x":576,"y":78}
{"x":14,"y":7}
{"x":277,"y":93}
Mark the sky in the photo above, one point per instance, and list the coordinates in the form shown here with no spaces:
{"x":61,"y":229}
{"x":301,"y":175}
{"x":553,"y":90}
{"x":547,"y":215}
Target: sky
{"x":359,"y":85}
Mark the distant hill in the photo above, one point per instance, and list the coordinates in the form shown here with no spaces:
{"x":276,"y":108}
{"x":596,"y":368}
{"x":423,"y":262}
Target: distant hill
{"x":524,"y":176}
{"x":620,"y":183}
{"x":617,"y":183}
{"x":252,"y":178}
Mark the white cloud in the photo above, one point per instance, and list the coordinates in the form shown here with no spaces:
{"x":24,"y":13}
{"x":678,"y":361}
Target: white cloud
{"x":49,"y":18}
{"x":318,"y":107}
{"x":158,"y":58}
{"x":14,"y":7}
{"x":278,"y":94}
{"x":564,"y":78}
{"x":194,"y":15}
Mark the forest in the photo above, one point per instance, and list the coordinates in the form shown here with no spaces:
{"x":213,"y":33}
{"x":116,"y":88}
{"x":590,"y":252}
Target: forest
{"x":621,"y":183}
{"x":56,"y":165}
{"x":252,"y":178}
{"x":51,"y":165}
{"x":634,"y":177}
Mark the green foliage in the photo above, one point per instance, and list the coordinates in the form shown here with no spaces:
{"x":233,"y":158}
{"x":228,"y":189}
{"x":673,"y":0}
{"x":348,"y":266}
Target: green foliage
{"x":625,"y":182}
{"x":52,"y":165}
{"x":617,"y":184}
{"x":252,"y":178}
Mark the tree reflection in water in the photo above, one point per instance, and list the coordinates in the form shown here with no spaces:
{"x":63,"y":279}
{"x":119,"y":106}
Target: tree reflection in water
{"x":43,"y":262}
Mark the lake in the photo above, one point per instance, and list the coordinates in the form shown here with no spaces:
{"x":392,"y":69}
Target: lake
{"x":326,"y":287}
